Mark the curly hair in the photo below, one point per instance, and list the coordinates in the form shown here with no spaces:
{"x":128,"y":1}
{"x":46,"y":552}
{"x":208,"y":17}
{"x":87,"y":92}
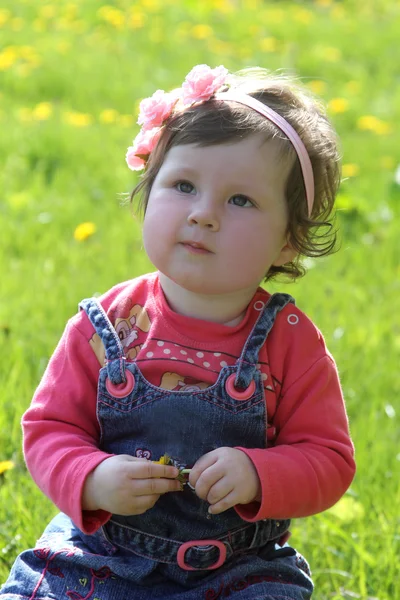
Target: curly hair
{"x":215,"y":122}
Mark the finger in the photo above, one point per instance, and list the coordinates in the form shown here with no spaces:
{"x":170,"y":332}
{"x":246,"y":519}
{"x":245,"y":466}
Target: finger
{"x":204,"y":462}
{"x":207,"y":480}
{"x":224,"y":504}
{"x":144,"y":487}
{"x":145,"y":469}
{"x":219,"y":490}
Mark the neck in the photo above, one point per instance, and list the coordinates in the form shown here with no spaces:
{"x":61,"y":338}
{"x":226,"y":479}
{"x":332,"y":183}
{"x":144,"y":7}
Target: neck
{"x":226,"y":309}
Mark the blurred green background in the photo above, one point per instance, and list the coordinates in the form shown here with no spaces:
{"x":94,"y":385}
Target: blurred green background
{"x":71,"y":77}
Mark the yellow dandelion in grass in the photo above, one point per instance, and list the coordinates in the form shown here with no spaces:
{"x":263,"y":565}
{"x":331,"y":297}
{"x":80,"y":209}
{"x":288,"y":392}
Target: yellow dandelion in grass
{"x":317,"y":86}
{"x":224,"y":6}
{"x":8,"y":57}
{"x":272,"y":15}
{"x":113,"y":16}
{"x":202,"y":32}
{"x":47,"y":11}
{"x":302,"y":15}
{"x":269,"y":44}
{"x":5,"y":14}
{"x":331,"y":54}
{"x":42,"y":111}
{"x":84,"y":231}
{"x":136,"y":19}
{"x":6,"y":465}
{"x":108,"y":116}
{"x":17,"y":24}
{"x":151,"y":5}
{"x":372,"y":123}
{"x":77,"y":119}
{"x":338,"y":105}
{"x":350,"y":170}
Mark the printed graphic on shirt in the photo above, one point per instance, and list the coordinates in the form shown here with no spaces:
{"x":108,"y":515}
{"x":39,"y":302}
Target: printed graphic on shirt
{"x":170,"y":361}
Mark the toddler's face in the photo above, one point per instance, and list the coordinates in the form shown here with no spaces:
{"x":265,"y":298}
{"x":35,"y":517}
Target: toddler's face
{"x":216,"y":216}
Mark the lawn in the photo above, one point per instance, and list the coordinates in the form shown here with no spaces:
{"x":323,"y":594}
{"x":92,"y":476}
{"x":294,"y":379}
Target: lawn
{"x":71,"y":76}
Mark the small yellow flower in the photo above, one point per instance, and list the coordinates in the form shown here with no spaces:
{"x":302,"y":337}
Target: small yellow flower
{"x":338,"y":105}
{"x":331,"y":53}
{"x":8,"y":57}
{"x":224,"y":6}
{"x":5,"y":14}
{"x":372,"y":123}
{"x":77,"y":119}
{"x":47,"y":11}
{"x":6,"y":465}
{"x":269,"y":44}
{"x":42,"y":111}
{"x":165,"y":459}
{"x":151,"y":5}
{"x":317,"y":86}
{"x":202,"y":32}
{"x":136,"y":19}
{"x":272,"y":15}
{"x":302,"y":15}
{"x":108,"y":116}
{"x":17,"y":24}
{"x":84,"y":231}
{"x":112,"y":15}
{"x":350,"y":170}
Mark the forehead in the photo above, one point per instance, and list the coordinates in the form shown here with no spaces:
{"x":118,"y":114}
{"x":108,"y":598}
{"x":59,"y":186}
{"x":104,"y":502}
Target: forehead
{"x":253,"y":159}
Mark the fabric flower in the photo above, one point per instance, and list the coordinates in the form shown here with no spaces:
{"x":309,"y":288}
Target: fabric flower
{"x":154,"y":110}
{"x":202,"y":82}
{"x":143,"y":145}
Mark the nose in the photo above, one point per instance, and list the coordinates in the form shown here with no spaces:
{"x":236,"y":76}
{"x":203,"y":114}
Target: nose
{"x":205,"y":215}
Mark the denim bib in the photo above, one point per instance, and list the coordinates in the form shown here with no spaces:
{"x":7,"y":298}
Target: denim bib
{"x":141,"y":419}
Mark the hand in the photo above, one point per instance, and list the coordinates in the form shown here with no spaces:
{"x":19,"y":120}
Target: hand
{"x":126,"y":485}
{"x":225,"y":477}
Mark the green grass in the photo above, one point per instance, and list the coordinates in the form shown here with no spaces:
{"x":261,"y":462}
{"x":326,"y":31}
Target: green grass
{"x":56,"y":175}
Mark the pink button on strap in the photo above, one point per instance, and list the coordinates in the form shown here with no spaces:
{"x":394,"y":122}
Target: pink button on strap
{"x":238,"y":394}
{"x":183,"y":549}
{"x":123,"y":389}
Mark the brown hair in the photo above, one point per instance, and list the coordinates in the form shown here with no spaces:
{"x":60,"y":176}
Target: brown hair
{"x":216,"y":122}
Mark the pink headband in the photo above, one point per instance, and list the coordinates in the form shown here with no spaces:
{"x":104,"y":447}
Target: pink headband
{"x":294,"y":138}
{"x":201,"y":84}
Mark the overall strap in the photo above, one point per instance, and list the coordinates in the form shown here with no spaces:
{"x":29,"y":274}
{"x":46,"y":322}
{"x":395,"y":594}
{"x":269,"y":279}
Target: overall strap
{"x":113,"y":348}
{"x":247,"y":362}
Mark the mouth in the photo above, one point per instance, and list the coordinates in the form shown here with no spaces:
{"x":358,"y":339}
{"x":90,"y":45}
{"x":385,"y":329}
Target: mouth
{"x":196,"y":247}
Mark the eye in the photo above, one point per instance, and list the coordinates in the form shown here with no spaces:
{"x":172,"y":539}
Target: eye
{"x":184,"y":187}
{"x":240,"y":200}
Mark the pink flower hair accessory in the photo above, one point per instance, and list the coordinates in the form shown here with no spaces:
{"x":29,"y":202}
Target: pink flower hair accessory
{"x":202,"y":82}
{"x":199,"y":86}
{"x":143,"y":145}
{"x":157,"y":108}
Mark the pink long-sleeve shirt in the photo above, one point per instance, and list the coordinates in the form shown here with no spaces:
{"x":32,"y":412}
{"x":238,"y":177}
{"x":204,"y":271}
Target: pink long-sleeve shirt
{"x":309,"y":461}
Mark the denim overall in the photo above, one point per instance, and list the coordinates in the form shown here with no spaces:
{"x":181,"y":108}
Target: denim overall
{"x":175,"y":550}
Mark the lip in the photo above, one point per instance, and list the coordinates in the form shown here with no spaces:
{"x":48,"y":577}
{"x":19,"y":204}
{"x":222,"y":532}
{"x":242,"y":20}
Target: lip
{"x":196,"y":247}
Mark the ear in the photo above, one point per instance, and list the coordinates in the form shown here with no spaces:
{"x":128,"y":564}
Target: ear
{"x":287,"y":254}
